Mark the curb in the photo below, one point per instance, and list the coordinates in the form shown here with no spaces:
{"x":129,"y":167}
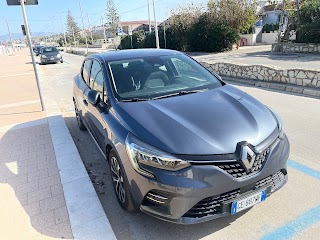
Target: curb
{"x":306,"y":91}
{"x":87,"y":216}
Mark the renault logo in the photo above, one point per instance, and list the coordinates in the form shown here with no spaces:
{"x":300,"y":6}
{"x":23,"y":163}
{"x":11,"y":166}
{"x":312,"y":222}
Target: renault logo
{"x":247,"y":157}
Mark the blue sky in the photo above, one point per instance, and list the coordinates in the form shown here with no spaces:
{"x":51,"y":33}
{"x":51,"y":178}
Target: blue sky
{"x":45,"y":16}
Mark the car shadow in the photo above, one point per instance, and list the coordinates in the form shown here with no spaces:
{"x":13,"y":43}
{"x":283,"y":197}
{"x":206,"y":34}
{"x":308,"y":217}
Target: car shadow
{"x":136,"y":225}
{"x":30,"y":186}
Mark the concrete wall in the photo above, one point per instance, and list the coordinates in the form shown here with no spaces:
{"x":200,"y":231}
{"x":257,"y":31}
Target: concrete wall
{"x":251,"y":39}
{"x":298,"y":47}
{"x":269,"y":38}
{"x":300,"y":77}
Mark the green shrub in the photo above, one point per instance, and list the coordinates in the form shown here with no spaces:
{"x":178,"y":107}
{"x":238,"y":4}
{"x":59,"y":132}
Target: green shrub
{"x":137,"y":41}
{"x":207,"y":36}
{"x":308,"y":30}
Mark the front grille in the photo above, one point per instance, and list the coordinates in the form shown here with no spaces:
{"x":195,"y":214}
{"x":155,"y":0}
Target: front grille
{"x":237,"y":170}
{"x":275,"y":181}
{"x":213,"y":205}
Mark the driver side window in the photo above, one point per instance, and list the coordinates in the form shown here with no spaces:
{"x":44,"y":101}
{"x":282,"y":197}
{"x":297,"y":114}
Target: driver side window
{"x":97,"y":80}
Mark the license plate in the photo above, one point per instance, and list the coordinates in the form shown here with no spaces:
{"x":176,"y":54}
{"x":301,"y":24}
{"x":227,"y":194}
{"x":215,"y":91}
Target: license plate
{"x":249,"y":201}
{"x":51,"y":58}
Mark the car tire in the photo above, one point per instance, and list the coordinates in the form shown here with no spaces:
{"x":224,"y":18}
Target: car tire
{"x":120,"y":183}
{"x":80,"y":123}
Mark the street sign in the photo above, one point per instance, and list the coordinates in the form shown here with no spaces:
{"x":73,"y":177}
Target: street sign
{"x":23,"y":30}
{"x":119,"y":31}
{"x":130,"y":32}
{"x":26,"y":2}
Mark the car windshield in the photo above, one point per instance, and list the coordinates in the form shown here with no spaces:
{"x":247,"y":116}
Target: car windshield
{"x":154,"y":77}
{"x":48,"y":49}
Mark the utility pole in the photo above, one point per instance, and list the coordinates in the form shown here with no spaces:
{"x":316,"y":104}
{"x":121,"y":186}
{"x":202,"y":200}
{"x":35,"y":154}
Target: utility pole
{"x":84,"y":31}
{"x":298,"y":11}
{"x":156,"y":24}
{"x":164,"y":35}
{"x":64,"y":34}
{"x":164,"y":27}
{"x":10,"y":35}
{"x":31,"y":52}
{"x":104,"y":31}
{"x":280,"y":26}
{"x":74,"y":38}
{"x":90,"y":28}
{"x":149,"y":16}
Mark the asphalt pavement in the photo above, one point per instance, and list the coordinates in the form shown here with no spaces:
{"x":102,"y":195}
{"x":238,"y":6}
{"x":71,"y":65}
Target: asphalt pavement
{"x":292,"y":212}
{"x":261,"y":55}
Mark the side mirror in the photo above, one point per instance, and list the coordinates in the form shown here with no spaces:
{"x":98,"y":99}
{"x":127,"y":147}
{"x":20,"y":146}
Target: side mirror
{"x":93,"y":97}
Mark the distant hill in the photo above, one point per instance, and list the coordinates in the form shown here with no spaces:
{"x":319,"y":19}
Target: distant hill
{"x":16,"y":36}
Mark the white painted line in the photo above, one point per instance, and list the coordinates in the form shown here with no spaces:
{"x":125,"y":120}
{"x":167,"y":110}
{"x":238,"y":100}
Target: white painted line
{"x":16,"y":75}
{"x":18,"y":104}
{"x":88,"y":219}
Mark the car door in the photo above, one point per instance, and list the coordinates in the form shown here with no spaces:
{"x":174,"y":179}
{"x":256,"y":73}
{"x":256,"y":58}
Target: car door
{"x":95,"y":114}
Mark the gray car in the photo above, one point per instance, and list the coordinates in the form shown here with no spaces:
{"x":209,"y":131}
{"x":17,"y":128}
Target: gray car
{"x":50,"y":55}
{"x":182,"y":145}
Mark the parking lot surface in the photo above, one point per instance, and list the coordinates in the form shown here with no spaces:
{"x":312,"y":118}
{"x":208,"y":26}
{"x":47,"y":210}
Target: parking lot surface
{"x":292,"y":212}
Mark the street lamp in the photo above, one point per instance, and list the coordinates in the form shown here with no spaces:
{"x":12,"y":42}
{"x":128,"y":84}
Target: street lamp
{"x":84,"y":31}
{"x":155,"y":24}
{"x":64,"y":33}
{"x":149,"y":16}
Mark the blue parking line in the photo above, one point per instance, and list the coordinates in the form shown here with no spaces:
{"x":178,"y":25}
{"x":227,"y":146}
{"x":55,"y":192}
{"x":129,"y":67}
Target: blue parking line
{"x":302,"y":168}
{"x":297,"y":225}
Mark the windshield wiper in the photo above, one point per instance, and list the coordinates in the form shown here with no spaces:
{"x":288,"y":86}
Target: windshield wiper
{"x":184,"y":92}
{"x":191,"y":91}
{"x":135,"y":100}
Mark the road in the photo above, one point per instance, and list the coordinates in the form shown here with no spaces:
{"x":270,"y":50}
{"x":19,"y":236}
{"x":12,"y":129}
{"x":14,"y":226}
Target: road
{"x":261,"y":55}
{"x":294,"y":210}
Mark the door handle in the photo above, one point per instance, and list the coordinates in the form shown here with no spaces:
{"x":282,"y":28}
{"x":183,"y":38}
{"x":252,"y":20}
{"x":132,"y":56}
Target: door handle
{"x":85,"y":102}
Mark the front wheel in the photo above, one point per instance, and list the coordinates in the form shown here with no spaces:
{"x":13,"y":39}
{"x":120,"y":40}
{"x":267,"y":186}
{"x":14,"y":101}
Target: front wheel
{"x":120,"y":183}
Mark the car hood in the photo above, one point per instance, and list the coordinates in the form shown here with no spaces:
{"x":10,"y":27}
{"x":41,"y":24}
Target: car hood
{"x":210,"y":122}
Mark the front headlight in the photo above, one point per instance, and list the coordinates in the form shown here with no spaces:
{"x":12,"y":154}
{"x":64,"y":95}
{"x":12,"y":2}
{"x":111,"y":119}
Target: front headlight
{"x":143,"y":156}
{"x":43,"y":56}
{"x":279,"y":121}
{"x":58,"y":55}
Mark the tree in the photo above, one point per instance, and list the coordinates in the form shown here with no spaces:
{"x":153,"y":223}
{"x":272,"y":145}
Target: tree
{"x":73,"y":30}
{"x":238,"y":14}
{"x":113,"y":18}
{"x":181,"y":22}
{"x":308,"y":30}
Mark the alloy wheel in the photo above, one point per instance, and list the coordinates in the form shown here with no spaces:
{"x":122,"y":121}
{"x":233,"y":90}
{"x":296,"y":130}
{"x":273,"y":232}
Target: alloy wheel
{"x":117,"y":179}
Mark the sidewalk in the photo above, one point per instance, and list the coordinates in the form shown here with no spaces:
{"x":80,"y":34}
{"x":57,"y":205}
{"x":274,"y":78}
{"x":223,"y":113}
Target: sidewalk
{"x":40,"y":168}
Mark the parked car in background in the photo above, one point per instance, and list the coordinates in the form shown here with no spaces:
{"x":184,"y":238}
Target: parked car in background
{"x":50,"y":55}
{"x":182,"y":145}
{"x":37,"y":49}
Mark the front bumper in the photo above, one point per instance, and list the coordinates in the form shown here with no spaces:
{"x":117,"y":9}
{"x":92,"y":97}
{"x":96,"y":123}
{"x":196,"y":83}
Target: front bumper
{"x":180,"y":196}
{"x":50,"y":60}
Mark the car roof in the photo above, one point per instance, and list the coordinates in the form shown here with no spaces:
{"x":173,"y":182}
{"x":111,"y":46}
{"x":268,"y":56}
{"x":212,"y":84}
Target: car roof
{"x":131,"y":53}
